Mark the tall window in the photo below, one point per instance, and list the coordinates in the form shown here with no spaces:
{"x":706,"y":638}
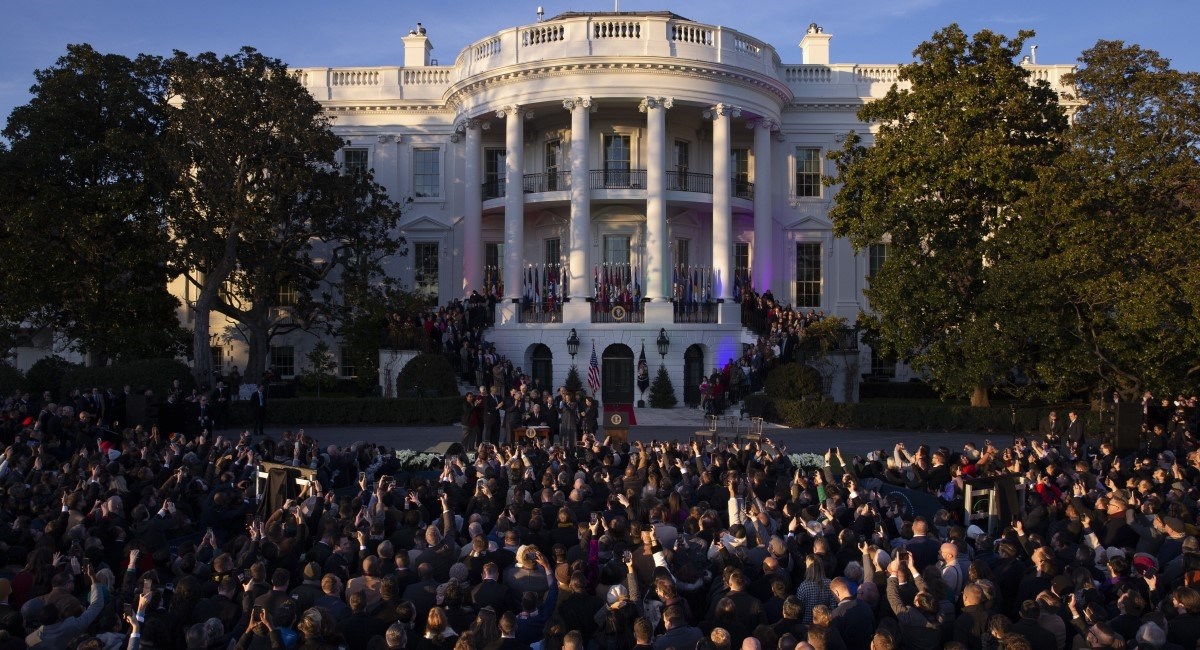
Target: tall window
{"x":553,"y":251}
{"x":741,"y":260}
{"x":616,"y":249}
{"x":808,"y":171}
{"x":553,"y":156}
{"x":618,"y":157}
{"x":354,"y":161}
{"x":346,"y":366}
{"x":683,"y":252}
{"x":427,"y":172}
{"x":739,"y":164}
{"x":683,"y":158}
{"x":218,"y":357}
{"x":493,"y":260}
{"x":286,"y":294}
{"x":876,"y":256}
{"x":283,"y":360}
{"x":808,"y":274}
{"x":494,"y":172}
{"x":426,"y":272}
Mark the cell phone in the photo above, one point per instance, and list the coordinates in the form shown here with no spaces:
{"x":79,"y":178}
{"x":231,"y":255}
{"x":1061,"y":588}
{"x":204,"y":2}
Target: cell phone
{"x":627,"y":556}
{"x":256,"y":611}
{"x":595,"y":518}
{"x":128,"y":609}
{"x":362,"y":476}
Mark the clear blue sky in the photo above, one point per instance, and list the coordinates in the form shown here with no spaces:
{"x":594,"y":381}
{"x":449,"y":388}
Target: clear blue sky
{"x":368,"y":32}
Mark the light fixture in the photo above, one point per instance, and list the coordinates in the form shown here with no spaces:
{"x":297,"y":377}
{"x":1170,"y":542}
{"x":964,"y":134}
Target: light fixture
{"x":573,"y":343}
{"x":664,"y":343}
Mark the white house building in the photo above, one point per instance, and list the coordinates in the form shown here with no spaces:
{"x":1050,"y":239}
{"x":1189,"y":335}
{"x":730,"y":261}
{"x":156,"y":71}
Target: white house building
{"x":610,"y":157}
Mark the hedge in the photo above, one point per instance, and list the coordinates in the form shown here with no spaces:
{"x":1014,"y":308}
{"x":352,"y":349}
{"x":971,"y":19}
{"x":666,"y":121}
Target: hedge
{"x":155,"y":374}
{"x":340,"y":411}
{"x":932,"y":417}
{"x":896,"y":390}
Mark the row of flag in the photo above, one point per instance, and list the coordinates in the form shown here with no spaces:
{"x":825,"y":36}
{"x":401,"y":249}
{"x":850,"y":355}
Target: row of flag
{"x":692,"y":285}
{"x":493,"y":282}
{"x":616,"y":284}
{"x":542,"y":286}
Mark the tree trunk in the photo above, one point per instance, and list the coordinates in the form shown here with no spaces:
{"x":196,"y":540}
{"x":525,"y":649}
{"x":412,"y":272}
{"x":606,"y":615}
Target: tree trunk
{"x":202,"y":370}
{"x":979,"y":398}
{"x":95,"y":359}
{"x":258,"y":348}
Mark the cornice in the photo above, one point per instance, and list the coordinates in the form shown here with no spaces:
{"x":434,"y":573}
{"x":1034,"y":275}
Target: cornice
{"x":386,"y":109}
{"x":819,"y":106}
{"x":591,"y":66}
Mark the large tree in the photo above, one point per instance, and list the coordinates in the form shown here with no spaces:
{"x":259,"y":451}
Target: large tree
{"x":80,"y":209}
{"x":259,"y":202}
{"x":957,"y":143}
{"x":1118,"y":213}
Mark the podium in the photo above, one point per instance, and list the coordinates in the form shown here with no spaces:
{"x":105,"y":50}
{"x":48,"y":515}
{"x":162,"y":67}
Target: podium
{"x":992,"y":502}
{"x":616,"y":423}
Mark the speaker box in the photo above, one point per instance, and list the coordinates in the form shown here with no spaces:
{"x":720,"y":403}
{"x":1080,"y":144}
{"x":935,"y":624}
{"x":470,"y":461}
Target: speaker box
{"x":1124,"y":427}
{"x":446,"y":448}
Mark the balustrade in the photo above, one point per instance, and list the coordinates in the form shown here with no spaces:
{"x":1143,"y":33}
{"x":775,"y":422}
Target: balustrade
{"x":616,"y":29}
{"x":618,"y":179}
{"x":549,"y":182}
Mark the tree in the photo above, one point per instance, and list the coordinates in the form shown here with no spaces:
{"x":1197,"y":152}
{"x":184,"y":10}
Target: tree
{"x":573,"y":383}
{"x":1118,"y":213}
{"x":81,"y":198}
{"x":258,"y":203}
{"x":662,"y":391}
{"x":952,"y":156}
{"x":321,"y":366}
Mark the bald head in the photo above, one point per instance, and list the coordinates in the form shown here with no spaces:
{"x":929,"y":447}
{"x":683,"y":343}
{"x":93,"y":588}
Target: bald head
{"x":840,"y":588}
{"x":949,"y":552}
{"x":972,"y":595}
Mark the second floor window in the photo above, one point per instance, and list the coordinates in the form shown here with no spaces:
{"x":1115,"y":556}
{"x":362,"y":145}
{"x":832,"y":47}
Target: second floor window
{"x":494,"y":173}
{"x":618,"y":159}
{"x":808,"y":172}
{"x":427,"y":172}
{"x":876,"y":257}
{"x":286,"y":294}
{"x":354,"y":161}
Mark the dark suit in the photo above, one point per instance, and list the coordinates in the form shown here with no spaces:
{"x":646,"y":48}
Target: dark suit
{"x":1039,"y":637}
{"x":491,"y":593}
{"x":924,"y":551}
{"x":1073,"y":432}
{"x":854,"y":620}
{"x":258,"y":401}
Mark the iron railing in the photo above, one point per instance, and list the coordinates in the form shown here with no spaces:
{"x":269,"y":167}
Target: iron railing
{"x":547,"y":182}
{"x":548,"y":311}
{"x":698,"y":312}
{"x":618,"y":179}
{"x":620,"y":312}
{"x":679,"y":181}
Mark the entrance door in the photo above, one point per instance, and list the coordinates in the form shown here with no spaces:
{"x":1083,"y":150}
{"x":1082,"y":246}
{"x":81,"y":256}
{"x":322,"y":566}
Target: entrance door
{"x":542,"y":367}
{"x":693,"y":374}
{"x":617,"y":375}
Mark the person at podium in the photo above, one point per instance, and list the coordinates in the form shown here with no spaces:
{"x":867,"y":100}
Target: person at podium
{"x":535,"y":417}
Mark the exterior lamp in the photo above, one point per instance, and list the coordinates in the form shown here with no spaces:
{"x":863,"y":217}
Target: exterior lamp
{"x":664,"y":343}
{"x":573,"y":343}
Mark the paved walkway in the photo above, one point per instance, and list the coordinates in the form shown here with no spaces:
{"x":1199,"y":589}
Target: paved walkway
{"x":667,"y":424}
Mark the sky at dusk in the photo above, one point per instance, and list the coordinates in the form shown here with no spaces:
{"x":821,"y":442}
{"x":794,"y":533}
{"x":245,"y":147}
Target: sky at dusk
{"x":368,"y":32}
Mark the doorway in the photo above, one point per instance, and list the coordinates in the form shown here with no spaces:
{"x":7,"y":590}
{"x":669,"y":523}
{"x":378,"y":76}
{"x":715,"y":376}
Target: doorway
{"x":541,"y":367}
{"x":617,"y":375}
{"x":693,"y":374}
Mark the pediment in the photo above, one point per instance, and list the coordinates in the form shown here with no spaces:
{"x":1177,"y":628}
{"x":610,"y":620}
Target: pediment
{"x":425,"y":224}
{"x":810,"y":222}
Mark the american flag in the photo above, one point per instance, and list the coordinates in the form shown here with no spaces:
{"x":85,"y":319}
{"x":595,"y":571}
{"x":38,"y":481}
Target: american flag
{"x":594,"y":372}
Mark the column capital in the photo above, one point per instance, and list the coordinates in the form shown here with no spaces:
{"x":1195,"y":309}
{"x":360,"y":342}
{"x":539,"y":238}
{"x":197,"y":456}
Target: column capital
{"x":514,"y":111}
{"x":726,"y":110}
{"x":572,"y":103}
{"x":463,"y":123}
{"x":764,"y":123}
{"x":655,"y":102}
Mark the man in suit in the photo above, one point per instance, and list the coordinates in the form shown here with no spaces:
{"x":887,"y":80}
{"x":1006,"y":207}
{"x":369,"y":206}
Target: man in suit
{"x":490,"y":592}
{"x":852,"y":618}
{"x":220,"y":403}
{"x":925,"y":551}
{"x":258,"y":401}
{"x":491,"y":414}
{"x":1051,"y":428}
{"x":1027,"y":626}
{"x":1073,"y":434}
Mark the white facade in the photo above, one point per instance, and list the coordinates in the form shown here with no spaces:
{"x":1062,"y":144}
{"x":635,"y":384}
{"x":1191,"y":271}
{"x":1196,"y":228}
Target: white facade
{"x":693,"y":141}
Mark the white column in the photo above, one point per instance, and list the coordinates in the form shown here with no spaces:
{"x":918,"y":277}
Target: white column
{"x":578,"y":262}
{"x":722,"y":217}
{"x":514,"y":199}
{"x":472,"y":256}
{"x":655,"y":279}
{"x":762,"y":263}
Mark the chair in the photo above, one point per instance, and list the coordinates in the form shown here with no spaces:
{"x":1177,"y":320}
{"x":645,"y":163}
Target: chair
{"x":731,"y":432}
{"x":754,"y":431}
{"x":709,"y":434}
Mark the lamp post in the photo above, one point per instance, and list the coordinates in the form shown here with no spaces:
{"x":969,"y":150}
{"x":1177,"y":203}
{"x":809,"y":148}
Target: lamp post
{"x":664,"y":343}
{"x":573,"y":343}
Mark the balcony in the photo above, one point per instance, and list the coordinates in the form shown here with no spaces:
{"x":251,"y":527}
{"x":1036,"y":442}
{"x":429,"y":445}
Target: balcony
{"x":627,"y":311}
{"x":545,"y":311}
{"x":741,"y":188}
{"x":618,"y":179}
{"x":494,"y":189}
{"x":548,"y":182}
{"x":678,"y":181}
{"x":695,"y":312}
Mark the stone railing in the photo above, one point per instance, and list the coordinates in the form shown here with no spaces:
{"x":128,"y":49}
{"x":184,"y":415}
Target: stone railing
{"x":692,"y":33}
{"x":541,"y":34}
{"x":382,"y":83}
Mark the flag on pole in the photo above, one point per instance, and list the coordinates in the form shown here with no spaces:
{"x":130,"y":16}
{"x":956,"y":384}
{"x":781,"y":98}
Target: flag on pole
{"x":594,"y":372}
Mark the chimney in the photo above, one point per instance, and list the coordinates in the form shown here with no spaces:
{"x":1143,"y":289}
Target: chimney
{"x":416,"y":48}
{"x":814,"y":47}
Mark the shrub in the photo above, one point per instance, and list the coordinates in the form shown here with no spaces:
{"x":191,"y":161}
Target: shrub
{"x":573,"y":384}
{"x":155,"y":374}
{"x":933,"y":417}
{"x":793,"y":381}
{"x":47,"y":375}
{"x":11,"y":379}
{"x":427,"y":374}
{"x":896,"y":390}
{"x":349,"y":411}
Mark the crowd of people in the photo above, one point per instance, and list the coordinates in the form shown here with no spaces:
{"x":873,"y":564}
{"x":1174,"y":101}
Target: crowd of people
{"x":149,"y":538}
